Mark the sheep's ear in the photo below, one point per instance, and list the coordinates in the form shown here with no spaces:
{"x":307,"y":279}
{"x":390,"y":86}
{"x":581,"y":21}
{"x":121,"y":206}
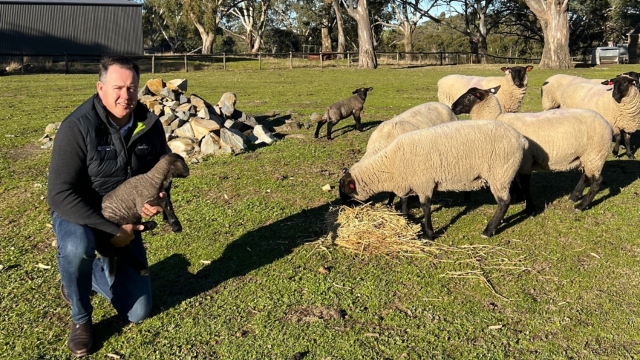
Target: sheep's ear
{"x":355,"y":91}
{"x":370,"y":89}
{"x":345,"y":171}
{"x":505,"y":69}
{"x":529,"y":67}
{"x":607,"y":82}
{"x":494,"y":90}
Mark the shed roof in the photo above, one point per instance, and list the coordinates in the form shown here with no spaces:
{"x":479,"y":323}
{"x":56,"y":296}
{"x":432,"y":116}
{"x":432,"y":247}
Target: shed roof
{"x":74,"y":2}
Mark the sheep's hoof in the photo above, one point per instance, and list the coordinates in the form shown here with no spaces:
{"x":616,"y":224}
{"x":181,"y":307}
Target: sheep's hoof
{"x":176,"y":228}
{"x":581,"y":207}
{"x":574,"y":197}
{"x":149,"y":225}
{"x":631,"y":156}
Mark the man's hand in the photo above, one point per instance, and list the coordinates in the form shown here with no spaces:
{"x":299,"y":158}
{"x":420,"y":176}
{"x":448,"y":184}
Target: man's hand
{"x":125,"y":235}
{"x":149,"y":211}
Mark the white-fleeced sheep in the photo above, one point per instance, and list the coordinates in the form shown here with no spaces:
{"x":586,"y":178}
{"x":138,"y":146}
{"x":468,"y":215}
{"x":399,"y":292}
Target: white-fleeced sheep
{"x":513,"y":84}
{"x":342,"y":110}
{"x":556,"y":85}
{"x":559,"y":140}
{"x":419,"y":117}
{"x":455,"y":156}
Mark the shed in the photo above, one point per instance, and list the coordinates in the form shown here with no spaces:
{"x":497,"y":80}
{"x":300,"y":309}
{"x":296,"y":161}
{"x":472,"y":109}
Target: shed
{"x":75,"y":27}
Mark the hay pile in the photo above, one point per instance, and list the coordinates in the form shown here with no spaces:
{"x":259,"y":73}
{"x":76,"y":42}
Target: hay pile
{"x":375,"y":230}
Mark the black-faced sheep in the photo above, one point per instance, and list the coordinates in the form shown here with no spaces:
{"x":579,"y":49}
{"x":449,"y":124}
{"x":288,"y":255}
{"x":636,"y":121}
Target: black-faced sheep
{"x":342,"y":110}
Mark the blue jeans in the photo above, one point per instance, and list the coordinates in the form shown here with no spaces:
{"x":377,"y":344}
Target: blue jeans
{"x":80,"y":271}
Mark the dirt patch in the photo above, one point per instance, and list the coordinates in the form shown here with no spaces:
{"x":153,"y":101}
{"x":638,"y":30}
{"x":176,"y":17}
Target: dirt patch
{"x":23,"y":153}
{"x":312,"y":313}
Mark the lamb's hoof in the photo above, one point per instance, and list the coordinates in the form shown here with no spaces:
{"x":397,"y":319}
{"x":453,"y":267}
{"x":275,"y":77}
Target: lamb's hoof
{"x":149,"y":225}
{"x":580,"y":207}
{"x":176,"y":228}
{"x":631,"y":157}
{"x":574,"y":198}
{"x":428,"y":234}
{"x":487,"y":233}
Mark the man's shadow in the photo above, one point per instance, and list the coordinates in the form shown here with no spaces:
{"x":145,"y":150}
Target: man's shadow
{"x":172,"y":283}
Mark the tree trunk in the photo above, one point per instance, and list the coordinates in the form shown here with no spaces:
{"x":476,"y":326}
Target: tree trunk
{"x":554,"y":19}
{"x":256,"y":44}
{"x":342,"y":43}
{"x":207,"y":37}
{"x":408,"y":41}
{"x":326,"y":20}
{"x":248,"y":40}
{"x":366,"y":51}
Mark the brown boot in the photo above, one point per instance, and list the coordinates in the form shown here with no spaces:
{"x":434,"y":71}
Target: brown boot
{"x":80,"y":339}
{"x":63,"y":292}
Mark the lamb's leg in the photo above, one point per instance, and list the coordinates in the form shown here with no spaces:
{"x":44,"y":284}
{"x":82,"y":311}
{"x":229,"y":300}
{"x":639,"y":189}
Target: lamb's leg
{"x":170,"y":215}
{"x":425,"y":203}
{"x":320,"y":123}
{"x":392,"y":196}
{"x":627,"y":145}
{"x":616,"y":147}
{"x":405,"y":205}
{"x":525,"y":182}
{"x":577,"y":192}
{"x":329,"y":127}
{"x":503,"y":206}
{"x":356,"y":118}
{"x":593,"y":190}
{"x":148,"y":225}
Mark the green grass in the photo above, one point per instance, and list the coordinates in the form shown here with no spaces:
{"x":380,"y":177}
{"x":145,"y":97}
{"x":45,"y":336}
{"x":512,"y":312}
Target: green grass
{"x":578,"y":297}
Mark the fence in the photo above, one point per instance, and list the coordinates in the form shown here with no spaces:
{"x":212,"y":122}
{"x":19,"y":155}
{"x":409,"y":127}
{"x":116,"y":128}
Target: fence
{"x":74,"y":63}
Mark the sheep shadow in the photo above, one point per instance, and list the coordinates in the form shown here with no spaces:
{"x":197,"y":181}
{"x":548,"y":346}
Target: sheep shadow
{"x":337,"y":132}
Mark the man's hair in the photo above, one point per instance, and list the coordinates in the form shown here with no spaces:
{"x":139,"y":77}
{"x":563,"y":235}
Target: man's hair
{"x":122,"y":61}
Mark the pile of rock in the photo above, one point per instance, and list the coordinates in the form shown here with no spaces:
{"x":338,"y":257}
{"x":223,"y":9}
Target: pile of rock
{"x":194,"y":127}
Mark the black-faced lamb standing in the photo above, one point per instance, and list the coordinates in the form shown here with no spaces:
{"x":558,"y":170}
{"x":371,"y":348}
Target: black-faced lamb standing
{"x":559,"y":140}
{"x":123,"y":205}
{"x":342,"y":110}
{"x":455,"y":156}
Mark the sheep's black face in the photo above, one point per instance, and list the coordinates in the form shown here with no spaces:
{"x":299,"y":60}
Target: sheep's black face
{"x":179,"y":168}
{"x":518,"y":74}
{"x":471,"y":98}
{"x":347,"y":189}
{"x":635,"y":76}
{"x":362,"y":92}
{"x":621,"y":87}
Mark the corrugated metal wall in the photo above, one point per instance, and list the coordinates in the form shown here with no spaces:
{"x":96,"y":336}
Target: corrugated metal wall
{"x":73,"y":29}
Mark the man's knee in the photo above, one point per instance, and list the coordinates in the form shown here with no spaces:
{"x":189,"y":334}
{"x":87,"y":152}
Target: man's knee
{"x":76,"y":242}
{"x":141,"y":310}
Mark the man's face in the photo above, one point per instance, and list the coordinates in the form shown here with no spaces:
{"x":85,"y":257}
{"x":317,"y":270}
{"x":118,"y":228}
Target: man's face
{"x":119,"y":91}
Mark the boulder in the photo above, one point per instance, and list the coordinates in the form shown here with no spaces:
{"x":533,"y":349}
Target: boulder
{"x":183,"y":99}
{"x":198,"y":102}
{"x":155,"y":85}
{"x":202,"y":127}
{"x":230,"y":124}
{"x":171,"y":103}
{"x":186,"y":107}
{"x":144,"y":90}
{"x":145,"y":98}
{"x":210,"y":145}
{"x":227,"y":103}
{"x":167,"y":119}
{"x":167,"y":132}
{"x":183,"y":146}
{"x":244,"y":118}
{"x":52,"y":128}
{"x":185,"y":131}
{"x":233,"y":139}
{"x":178,"y":84}
{"x":168,"y":93}
{"x":182,"y":115}
{"x":158,"y":109}
{"x":203,"y":113}
{"x":167,"y":110}
{"x":315,"y":117}
{"x":151,"y":104}
{"x":263,"y":135}
{"x":176,"y":124}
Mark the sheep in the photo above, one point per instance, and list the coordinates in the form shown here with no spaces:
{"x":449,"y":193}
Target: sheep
{"x":559,"y":140}
{"x":342,"y":110}
{"x":419,"y":117}
{"x":554,"y":86}
{"x":619,"y":105}
{"x":123,"y":204}
{"x":514,"y":86}
{"x":454,"y":156}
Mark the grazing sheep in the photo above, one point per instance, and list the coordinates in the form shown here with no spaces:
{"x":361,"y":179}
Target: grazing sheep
{"x":555,"y":85}
{"x":455,"y":156}
{"x":123,"y":204}
{"x":514,"y":86}
{"x":342,"y":110}
{"x":419,"y":117}
{"x":619,"y":105}
{"x":559,"y":140}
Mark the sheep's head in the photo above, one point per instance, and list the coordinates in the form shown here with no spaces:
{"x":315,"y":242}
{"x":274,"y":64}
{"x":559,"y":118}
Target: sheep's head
{"x":634,"y":75}
{"x":362,"y":92}
{"x":471,"y":98}
{"x":347,"y":189}
{"x":622,"y":85}
{"x":177,"y":166}
{"x":518,"y":74}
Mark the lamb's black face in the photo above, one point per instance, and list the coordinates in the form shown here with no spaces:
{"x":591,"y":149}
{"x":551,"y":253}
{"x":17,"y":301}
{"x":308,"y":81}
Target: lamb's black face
{"x":621,"y":87}
{"x":179,"y":167}
{"x":471,"y":98}
{"x":362,"y":92}
{"x":518,"y":74}
{"x":347,"y":189}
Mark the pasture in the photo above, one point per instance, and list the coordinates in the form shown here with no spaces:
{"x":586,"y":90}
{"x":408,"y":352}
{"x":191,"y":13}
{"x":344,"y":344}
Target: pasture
{"x":242,"y":280}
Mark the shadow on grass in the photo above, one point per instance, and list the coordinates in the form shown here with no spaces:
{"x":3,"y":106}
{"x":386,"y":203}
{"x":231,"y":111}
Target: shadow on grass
{"x":336,"y":133}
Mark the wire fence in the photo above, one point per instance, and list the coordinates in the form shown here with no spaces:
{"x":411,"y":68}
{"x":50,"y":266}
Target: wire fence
{"x":78,"y":63}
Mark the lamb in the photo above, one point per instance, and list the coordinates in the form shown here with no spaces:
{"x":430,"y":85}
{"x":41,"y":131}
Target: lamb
{"x":559,"y":140}
{"x":342,"y":110}
{"x":454,"y":156}
{"x":123,"y":204}
{"x":419,"y":117}
{"x":514,"y":86}
{"x":619,"y":105}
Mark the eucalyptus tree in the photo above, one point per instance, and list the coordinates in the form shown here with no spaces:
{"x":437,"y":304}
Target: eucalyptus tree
{"x":206,"y":15}
{"x":359,"y":11}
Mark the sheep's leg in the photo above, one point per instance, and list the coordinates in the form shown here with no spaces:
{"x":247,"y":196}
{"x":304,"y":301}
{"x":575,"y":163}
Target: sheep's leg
{"x":525,"y":182}
{"x":329,"y":128}
{"x":516,"y":191}
{"x":148,"y":225}
{"x":320,"y":123}
{"x":627,"y":145}
{"x":577,"y":192}
{"x":425,"y":203}
{"x":170,"y":215}
{"x":503,"y":206}
{"x":392,"y":196}
{"x":405,"y":205}
{"x":356,"y":118}
{"x":616,"y":147}
{"x":593,"y":190}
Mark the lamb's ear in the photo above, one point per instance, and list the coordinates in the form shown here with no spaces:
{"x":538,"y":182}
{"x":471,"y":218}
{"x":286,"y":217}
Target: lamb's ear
{"x":529,"y":67}
{"x":494,"y":90}
{"x":355,"y":91}
{"x":505,"y":69}
{"x":370,"y":89}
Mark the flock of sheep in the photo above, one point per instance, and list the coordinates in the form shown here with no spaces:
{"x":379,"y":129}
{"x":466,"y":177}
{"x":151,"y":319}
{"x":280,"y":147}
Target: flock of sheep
{"x":426,"y":149}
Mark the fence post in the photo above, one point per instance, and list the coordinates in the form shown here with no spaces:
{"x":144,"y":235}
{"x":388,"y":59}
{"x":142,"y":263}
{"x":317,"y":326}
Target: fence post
{"x":259,"y":61}
{"x":420,"y":62}
{"x":457,"y":60}
{"x":66,"y":64}
{"x":291,"y":60}
{"x":186,"y":65}
{"x":348,"y":59}
{"x":397,"y":58}
{"x":321,"y":60}
{"x":22,"y":64}
{"x":224,"y":61}
{"x":441,"y":55}
{"x":153,"y":63}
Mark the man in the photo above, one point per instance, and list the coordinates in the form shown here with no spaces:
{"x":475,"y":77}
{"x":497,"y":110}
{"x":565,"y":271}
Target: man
{"x":106,"y":140}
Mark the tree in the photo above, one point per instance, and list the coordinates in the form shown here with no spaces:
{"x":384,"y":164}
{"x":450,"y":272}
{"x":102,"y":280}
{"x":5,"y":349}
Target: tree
{"x":553,"y":16}
{"x":325,"y":25}
{"x":206,"y":15}
{"x":359,"y":11}
{"x":254,"y":26}
{"x":408,"y":18}
{"x":342,"y":43}
{"x":168,"y":16}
